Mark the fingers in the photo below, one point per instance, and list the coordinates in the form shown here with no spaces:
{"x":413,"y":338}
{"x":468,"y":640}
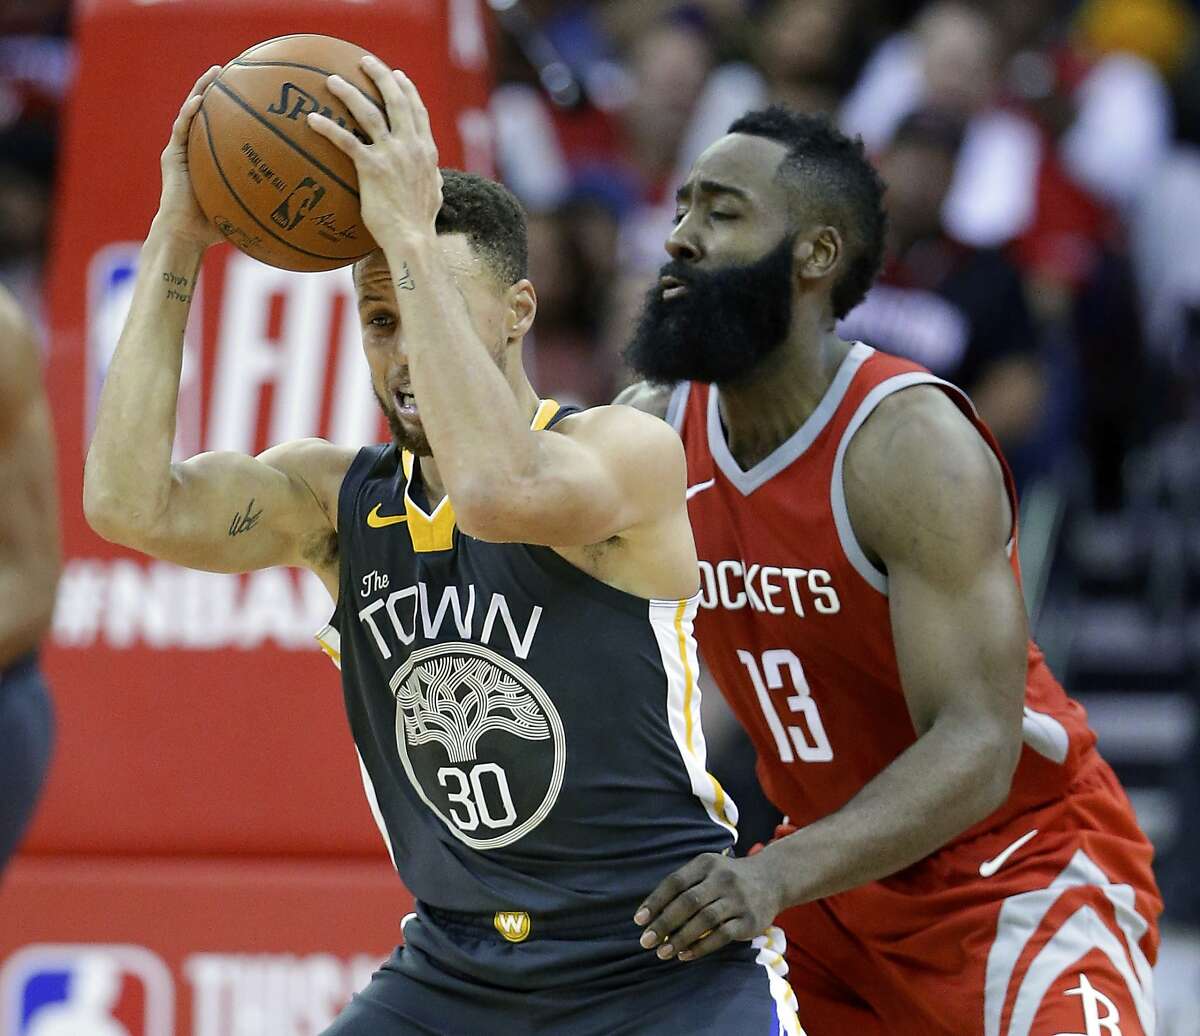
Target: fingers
{"x":395,"y":103}
{"x":365,"y":113}
{"x":183,"y":121}
{"x":674,"y":903}
{"x":725,"y":933}
{"x":691,"y":873}
{"x":420,"y":114}
{"x":340,"y":137}
{"x":206,"y":80}
{"x":187,"y":112}
{"x":702,"y":923}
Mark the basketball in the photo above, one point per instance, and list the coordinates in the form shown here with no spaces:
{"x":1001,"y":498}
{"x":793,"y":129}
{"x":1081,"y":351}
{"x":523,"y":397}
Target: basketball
{"x":276,"y":189}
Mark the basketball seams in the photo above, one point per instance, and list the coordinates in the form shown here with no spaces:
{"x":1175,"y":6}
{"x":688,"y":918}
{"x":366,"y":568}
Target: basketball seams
{"x":245,"y":208}
{"x":262,"y":223}
{"x":242,"y":103}
{"x":307,"y":68}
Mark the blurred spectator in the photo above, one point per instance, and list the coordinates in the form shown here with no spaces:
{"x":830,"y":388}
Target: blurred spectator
{"x":26,"y":182}
{"x":35,"y":72}
{"x":809,"y":52}
{"x":563,"y":265}
{"x":958,"y":310}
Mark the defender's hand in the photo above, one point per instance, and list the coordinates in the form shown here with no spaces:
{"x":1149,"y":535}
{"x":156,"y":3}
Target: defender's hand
{"x":398,"y":178}
{"x":707,"y":904}
{"x":179,"y":214}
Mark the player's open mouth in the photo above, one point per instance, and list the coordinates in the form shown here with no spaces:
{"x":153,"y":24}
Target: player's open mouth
{"x":406,"y":404}
{"x":672,"y":287}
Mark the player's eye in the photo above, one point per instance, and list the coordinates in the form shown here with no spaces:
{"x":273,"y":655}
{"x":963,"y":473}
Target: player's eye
{"x":381,"y":320}
{"x":723,"y":216}
{"x":678,"y":217}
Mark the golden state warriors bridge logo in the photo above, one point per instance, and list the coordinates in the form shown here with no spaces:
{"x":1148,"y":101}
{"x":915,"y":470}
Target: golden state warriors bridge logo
{"x":480,"y":740}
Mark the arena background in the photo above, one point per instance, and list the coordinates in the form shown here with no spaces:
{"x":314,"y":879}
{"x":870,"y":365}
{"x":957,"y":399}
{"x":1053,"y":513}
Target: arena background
{"x":204,"y":855}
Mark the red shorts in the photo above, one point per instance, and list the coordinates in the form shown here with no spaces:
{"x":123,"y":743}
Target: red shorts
{"x":1009,"y":934}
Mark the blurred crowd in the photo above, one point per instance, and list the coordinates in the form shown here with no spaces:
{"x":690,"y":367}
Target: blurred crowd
{"x":1042,"y":161}
{"x":35,"y":74}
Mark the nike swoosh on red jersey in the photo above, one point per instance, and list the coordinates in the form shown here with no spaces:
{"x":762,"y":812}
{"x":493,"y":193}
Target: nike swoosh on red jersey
{"x":989,"y":867}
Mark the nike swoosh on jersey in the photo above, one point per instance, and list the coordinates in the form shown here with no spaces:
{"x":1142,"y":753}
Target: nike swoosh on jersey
{"x":989,"y":867}
{"x":699,"y":487}
{"x":382,"y":521}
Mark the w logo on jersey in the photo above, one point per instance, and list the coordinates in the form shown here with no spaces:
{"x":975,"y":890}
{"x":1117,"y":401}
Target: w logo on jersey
{"x":86,"y":990}
{"x":480,"y":740}
{"x":455,"y":701}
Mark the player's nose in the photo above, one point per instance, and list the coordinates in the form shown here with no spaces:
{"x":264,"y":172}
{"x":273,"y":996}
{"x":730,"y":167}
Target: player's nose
{"x":683,"y":245}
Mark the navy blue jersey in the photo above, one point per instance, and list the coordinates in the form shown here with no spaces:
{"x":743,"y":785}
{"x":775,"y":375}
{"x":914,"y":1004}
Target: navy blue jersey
{"x":529,"y":736}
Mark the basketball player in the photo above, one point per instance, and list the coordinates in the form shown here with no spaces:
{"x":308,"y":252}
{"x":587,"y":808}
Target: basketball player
{"x":962,"y":860}
{"x":515,"y":591}
{"x":29,"y":564}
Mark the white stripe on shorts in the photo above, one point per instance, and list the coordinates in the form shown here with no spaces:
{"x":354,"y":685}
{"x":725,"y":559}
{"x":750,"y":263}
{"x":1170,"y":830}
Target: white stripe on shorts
{"x":771,"y":946}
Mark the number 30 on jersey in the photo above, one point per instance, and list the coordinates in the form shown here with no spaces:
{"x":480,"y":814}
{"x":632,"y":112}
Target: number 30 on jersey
{"x":794,"y":741}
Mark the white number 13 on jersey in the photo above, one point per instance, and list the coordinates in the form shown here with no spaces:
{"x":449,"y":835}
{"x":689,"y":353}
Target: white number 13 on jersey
{"x":792,"y":741}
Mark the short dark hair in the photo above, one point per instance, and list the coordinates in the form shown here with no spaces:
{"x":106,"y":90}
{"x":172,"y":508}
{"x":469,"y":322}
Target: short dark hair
{"x":492,"y":220}
{"x":828,"y":172}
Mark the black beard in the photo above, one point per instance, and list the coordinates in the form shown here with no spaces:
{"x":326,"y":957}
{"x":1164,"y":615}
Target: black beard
{"x":719,"y":330}
{"x":417,"y":444}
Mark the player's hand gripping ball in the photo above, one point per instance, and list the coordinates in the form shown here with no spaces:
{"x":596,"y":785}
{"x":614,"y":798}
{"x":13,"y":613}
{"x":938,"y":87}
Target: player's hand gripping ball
{"x":398,"y":170}
{"x":265,"y":179}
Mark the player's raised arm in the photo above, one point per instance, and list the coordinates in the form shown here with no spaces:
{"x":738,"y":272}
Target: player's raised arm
{"x":220,"y":511}
{"x":603,"y":474}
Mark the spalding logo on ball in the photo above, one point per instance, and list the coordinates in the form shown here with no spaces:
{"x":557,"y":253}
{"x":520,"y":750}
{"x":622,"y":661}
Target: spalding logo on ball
{"x":276,"y":189}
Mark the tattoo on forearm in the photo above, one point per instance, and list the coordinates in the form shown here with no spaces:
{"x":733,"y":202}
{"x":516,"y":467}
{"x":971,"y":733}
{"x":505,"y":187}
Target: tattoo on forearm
{"x":178,"y":288}
{"x":405,"y":281}
{"x":245,"y":522}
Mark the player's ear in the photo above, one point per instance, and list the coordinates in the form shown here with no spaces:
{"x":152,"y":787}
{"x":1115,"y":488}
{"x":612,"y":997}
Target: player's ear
{"x":522,"y":308}
{"x":818,"y":252}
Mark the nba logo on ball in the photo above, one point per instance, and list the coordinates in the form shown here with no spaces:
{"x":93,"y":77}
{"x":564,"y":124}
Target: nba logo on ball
{"x":86,"y":990}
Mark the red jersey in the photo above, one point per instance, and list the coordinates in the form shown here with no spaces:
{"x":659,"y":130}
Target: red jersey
{"x":794,"y":623}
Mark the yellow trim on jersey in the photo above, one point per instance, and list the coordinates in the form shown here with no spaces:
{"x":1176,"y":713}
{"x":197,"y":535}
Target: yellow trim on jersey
{"x":689,"y":685}
{"x":433,"y":532}
{"x":545,"y":412}
{"x":331,"y":643}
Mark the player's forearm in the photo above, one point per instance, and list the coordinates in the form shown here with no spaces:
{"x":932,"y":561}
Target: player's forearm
{"x":474,"y":423}
{"x":947,"y":781}
{"x":128,"y":472}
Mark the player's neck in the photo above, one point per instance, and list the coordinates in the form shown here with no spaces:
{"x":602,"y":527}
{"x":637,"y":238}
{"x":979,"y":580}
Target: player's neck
{"x":763,"y":410}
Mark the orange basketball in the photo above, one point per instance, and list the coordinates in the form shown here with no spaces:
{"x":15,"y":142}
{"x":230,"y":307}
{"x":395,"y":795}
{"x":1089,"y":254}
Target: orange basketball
{"x":275,"y":188}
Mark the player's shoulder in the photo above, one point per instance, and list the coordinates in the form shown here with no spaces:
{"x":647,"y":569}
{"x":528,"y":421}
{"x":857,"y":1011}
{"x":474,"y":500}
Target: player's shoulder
{"x":317,"y":464}
{"x":647,"y":397}
{"x":310,"y":453}
{"x":18,"y":345}
{"x":621,"y":427}
{"x":919,"y":466}
{"x":915,"y":432}
{"x":22,"y":393}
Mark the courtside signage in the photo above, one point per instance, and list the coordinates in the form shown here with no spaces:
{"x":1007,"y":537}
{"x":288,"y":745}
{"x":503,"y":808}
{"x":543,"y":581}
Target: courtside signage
{"x":86,"y":990}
